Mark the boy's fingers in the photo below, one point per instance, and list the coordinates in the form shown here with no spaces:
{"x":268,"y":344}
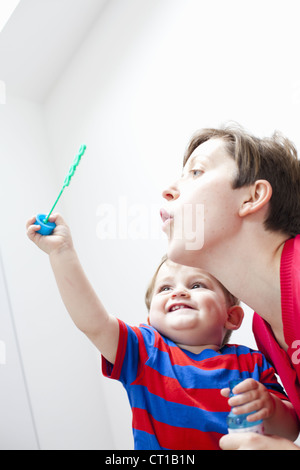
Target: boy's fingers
{"x":57,"y":218}
{"x":247,"y":407}
{"x":30,"y":221}
{"x":225,"y":392}
{"x":260,"y":414}
{"x":242,"y":398}
{"x":32,"y":229}
{"x":245,"y":386}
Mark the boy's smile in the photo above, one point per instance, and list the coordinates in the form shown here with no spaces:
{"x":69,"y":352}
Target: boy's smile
{"x":179,"y":306}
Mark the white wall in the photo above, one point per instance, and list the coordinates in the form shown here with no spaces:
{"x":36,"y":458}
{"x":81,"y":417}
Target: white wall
{"x":136,"y":94}
{"x":15,"y":406}
{"x":59,"y":365}
{"x":147,"y":76}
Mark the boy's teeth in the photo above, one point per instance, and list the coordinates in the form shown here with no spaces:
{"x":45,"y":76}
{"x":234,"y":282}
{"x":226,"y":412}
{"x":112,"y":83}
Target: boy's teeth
{"x":177,"y":307}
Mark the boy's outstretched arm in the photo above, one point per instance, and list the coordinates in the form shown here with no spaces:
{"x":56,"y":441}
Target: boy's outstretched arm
{"x":79,"y":297}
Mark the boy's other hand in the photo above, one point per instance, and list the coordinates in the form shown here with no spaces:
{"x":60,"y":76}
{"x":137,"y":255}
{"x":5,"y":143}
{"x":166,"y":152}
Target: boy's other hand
{"x":252,"y":397}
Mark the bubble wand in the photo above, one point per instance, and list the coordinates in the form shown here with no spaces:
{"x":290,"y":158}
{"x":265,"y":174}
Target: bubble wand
{"x":43,"y":220}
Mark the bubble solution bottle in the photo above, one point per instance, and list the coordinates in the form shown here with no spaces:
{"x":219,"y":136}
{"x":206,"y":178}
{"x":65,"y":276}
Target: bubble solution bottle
{"x":239,"y":423}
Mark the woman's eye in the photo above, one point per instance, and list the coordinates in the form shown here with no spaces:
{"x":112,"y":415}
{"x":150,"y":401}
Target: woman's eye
{"x":196,"y":172}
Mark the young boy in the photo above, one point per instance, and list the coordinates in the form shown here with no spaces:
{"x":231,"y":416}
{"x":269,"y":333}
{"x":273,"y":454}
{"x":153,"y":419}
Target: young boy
{"x":173,"y":368}
{"x":250,"y":190}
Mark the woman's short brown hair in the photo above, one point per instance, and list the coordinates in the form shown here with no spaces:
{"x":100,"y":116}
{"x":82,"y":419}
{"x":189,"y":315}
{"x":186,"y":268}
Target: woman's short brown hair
{"x":271,"y":158}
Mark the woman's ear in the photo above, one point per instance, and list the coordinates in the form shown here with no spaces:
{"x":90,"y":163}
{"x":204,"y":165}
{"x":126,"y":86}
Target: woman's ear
{"x":235,"y":317}
{"x":257,"y":197}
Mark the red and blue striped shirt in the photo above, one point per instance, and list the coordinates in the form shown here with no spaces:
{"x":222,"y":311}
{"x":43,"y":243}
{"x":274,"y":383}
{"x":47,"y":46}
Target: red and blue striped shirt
{"x":175,"y":394}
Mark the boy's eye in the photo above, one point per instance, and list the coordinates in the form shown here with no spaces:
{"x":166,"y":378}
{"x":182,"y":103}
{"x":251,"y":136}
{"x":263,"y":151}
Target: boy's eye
{"x":199,"y":285}
{"x":164,"y":289}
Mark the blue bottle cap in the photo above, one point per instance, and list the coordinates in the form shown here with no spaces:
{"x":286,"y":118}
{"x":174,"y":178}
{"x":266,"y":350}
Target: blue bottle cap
{"x":46,"y":229}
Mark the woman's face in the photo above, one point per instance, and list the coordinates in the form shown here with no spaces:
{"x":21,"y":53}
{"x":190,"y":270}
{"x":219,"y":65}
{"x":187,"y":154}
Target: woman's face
{"x":202,"y":203}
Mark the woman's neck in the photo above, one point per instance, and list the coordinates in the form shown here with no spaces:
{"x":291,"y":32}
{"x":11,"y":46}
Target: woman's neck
{"x":250,"y":269}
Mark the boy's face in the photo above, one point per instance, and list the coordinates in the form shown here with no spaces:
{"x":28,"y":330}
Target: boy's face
{"x":205,"y":184}
{"x":188,"y":306}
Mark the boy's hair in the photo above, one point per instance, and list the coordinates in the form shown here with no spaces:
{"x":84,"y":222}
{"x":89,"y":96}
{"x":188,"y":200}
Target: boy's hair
{"x":271,"y":158}
{"x":231,"y":300}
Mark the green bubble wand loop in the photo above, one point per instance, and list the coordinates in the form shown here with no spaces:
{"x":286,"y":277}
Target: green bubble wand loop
{"x":67,"y":180}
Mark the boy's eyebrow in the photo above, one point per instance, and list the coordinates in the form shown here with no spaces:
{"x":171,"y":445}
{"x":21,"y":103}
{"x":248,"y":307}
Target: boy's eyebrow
{"x":163,"y":280}
{"x":201,"y":277}
{"x":193,"y":277}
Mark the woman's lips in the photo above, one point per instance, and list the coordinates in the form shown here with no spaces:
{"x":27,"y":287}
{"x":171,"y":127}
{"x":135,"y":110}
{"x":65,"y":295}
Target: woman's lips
{"x":165,"y":217}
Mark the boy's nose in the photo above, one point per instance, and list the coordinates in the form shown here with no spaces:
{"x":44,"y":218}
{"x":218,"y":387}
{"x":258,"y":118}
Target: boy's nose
{"x":180,"y":292}
{"x":171,"y":193}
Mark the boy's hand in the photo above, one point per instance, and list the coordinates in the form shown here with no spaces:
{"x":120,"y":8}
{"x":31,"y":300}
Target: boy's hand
{"x":251,"y":396}
{"x":57,"y":242}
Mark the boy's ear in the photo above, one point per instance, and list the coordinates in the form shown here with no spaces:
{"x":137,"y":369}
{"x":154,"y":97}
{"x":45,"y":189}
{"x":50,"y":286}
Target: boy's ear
{"x":258,"y":195}
{"x":235,"y":317}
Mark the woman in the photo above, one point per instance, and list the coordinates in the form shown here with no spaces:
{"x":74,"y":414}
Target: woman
{"x":249,"y":192}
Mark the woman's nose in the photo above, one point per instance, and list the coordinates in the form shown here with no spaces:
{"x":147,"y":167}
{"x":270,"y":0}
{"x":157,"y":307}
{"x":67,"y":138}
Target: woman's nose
{"x":171,"y":193}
